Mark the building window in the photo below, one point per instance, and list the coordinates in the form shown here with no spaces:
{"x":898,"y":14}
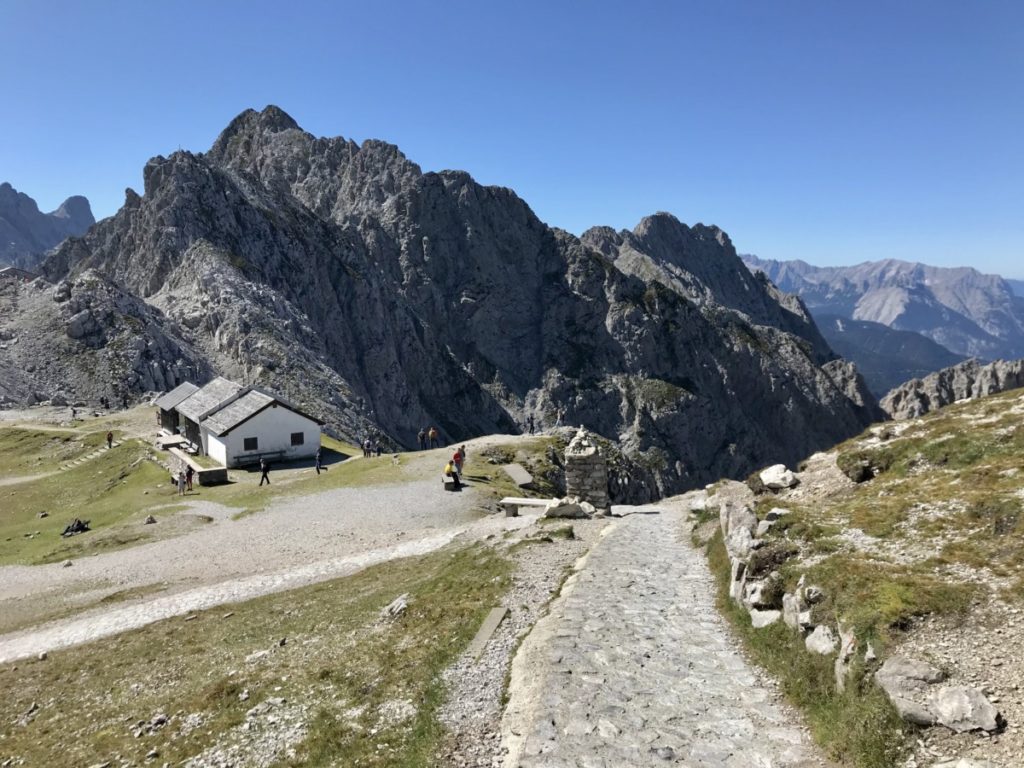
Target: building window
{"x":251,"y":444}
{"x":298,"y":438}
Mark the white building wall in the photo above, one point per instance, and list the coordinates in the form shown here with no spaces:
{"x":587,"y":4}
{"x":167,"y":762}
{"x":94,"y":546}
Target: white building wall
{"x":217,"y":450}
{"x":273,"y":428}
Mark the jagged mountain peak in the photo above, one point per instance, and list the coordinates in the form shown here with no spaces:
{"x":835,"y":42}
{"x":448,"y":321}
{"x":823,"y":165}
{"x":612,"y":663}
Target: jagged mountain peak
{"x":26,"y":233}
{"x":271,"y":119}
{"x":377,"y":294}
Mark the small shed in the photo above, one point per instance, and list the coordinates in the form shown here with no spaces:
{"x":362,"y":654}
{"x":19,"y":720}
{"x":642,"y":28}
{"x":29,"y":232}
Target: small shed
{"x":207,"y":399}
{"x":259,"y":425}
{"x":169,"y":401}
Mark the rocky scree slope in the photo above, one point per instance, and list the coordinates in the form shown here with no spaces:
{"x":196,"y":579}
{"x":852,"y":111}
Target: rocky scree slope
{"x":371,"y":292}
{"x":967,"y":312}
{"x":968,"y":379}
{"x":26,"y":233}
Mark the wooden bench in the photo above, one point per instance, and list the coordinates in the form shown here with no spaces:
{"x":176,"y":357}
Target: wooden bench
{"x":248,"y":459}
{"x":511,"y":504}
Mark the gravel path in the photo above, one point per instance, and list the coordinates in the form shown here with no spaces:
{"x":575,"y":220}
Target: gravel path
{"x":296,"y":542}
{"x":634,"y":666}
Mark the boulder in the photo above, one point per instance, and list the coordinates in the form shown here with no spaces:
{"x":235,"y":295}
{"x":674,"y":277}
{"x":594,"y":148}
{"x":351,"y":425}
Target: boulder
{"x":739,"y":542}
{"x":822,"y":640}
{"x":964,"y":762}
{"x":737,"y":517}
{"x":566,"y":509}
{"x":777,"y":477}
{"x":761,"y":619}
{"x":907,"y":682}
{"x":962,"y":708}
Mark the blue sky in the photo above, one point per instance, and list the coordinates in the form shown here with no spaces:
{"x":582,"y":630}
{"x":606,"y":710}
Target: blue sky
{"x":834,"y":132}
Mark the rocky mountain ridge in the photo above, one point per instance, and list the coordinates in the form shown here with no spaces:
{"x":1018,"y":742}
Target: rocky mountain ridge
{"x":378,"y":295}
{"x":26,"y":233}
{"x":968,"y":379}
{"x":969,"y":313}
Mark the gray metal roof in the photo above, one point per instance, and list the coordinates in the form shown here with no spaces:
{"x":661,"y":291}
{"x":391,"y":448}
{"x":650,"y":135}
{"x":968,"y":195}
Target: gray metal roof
{"x":234,"y":413}
{"x":208,"y":398}
{"x":169,"y":400}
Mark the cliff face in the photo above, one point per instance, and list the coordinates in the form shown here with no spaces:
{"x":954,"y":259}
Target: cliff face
{"x":26,"y":233}
{"x":967,"y":379}
{"x":372,"y":292}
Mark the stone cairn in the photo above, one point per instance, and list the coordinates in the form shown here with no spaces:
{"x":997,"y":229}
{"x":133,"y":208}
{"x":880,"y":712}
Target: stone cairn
{"x":586,"y":472}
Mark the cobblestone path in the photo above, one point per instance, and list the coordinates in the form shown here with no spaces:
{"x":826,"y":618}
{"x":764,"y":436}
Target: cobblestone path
{"x":635,"y":667}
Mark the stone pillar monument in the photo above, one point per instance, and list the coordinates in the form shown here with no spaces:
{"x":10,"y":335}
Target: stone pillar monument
{"x":586,"y":472}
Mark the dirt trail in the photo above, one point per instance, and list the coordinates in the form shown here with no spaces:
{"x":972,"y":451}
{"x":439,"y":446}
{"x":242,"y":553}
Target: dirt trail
{"x":296,"y":541}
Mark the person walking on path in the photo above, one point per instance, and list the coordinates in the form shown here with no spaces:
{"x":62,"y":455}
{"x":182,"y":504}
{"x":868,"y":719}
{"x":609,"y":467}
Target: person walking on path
{"x":319,"y":464}
{"x":181,"y":482}
{"x":530,"y":423}
{"x":110,"y":440}
{"x":458,"y":458}
{"x":264,"y":472}
{"x":188,"y":476}
{"x":421,"y":437}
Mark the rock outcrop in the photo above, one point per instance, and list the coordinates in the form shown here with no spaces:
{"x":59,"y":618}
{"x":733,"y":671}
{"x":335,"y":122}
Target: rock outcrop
{"x":26,"y":233}
{"x":370,"y":292}
{"x":968,"y":379}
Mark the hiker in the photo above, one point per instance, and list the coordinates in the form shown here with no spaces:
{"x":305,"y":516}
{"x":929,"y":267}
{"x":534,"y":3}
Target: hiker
{"x":432,"y":437}
{"x":110,"y":440}
{"x":421,"y":437}
{"x":530,"y":423}
{"x":124,"y":402}
{"x":188,"y":476}
{"x":451,"y":471}
{"x":74,"y":414}
{"x":181,"y":482}
{"x":458,"y":458}
{"x":319,"y":464}
{"x":264,"y":472}
{"x":377,"y":448}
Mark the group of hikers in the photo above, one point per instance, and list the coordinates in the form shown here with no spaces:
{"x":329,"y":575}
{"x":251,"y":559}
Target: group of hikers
{"x":428,"y":438}
{"x":185,"y":479}
{"x":371,"y":447}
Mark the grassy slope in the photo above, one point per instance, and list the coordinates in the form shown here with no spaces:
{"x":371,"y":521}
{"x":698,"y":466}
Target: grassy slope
{"x":938,"y":529}
{"x":339,"y":662}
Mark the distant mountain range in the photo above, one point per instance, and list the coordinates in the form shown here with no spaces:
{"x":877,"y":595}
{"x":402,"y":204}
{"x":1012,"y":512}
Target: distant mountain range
{"x":969,"y":313}
{"x":1017,"y":286}
{"x":26,"y":233}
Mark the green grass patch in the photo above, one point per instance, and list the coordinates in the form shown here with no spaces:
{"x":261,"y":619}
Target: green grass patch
{"x":28,"y":452}
{"x":339,"y":660}
{"x":858,"y":726}
{"x":114,"y":488}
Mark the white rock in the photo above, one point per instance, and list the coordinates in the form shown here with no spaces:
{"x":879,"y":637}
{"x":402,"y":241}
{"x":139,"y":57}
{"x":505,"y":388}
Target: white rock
{"x":761,"y":619}
{"x":777,"y":477}
{"x":822,"y":640}
{"x":962,"y":708}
